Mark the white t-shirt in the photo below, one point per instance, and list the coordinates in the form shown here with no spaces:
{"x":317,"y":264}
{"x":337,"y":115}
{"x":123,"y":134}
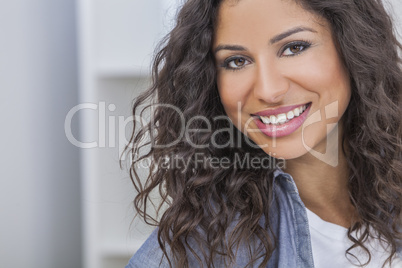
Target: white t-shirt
{"x":329,"y":243}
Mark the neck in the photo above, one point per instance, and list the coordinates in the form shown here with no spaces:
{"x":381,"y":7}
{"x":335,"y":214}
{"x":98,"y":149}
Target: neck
{"x":323,"y":183}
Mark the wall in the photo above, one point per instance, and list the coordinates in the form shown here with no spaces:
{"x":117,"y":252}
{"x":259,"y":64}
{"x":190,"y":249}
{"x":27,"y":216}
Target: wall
{"x":39,"y":174}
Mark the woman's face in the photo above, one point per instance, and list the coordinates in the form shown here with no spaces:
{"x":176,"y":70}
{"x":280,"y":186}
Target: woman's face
{"x":280,"y":78}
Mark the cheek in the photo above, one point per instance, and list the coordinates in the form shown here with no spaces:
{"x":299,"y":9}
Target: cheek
{"x":324,"y":75}
{"x":233,"y":91}
{"x":335,"y":87}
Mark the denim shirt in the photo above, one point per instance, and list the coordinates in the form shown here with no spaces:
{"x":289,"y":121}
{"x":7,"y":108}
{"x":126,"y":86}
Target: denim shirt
{"x":290,"y":226}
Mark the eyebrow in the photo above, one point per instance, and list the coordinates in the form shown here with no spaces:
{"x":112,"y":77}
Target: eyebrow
{"x":229,"y":47}
{"x":272,"y":41}
{"x":289,"y":32}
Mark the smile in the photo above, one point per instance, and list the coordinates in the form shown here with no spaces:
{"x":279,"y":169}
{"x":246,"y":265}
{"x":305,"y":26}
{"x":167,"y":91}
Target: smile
{"x":283,"y":121}
{"x":284,"y":117}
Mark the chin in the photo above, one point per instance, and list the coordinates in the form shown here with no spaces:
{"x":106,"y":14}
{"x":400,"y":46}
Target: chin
{"x":286,"y":153}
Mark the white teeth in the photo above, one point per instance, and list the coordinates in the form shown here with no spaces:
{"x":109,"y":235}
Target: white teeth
{"x":265,"y":119}
{"x":283,"y":118}
{"x":273,"y":119}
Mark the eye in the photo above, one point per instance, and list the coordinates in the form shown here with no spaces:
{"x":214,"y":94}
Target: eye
{"x":235,"y":63}
{"x":295,"y":48}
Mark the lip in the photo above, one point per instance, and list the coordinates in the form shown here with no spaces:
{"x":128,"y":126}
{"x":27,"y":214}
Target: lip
{"x":286,"y":128}
{"x":279,"y":110}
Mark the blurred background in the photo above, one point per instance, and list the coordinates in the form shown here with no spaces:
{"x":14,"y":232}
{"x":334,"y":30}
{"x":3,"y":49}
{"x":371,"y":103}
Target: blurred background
{"x":68,"y":73}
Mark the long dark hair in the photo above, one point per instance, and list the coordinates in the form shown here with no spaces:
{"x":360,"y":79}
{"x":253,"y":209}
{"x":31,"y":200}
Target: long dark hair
{"x":220,"y":209}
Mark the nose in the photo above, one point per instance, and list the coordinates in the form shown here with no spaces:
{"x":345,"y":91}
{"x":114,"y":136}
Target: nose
{"x":270,"y":85}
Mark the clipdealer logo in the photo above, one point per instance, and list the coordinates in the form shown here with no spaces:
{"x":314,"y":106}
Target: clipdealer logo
{"x":105,"y":124}
{"x":331,"y":154}
{"x":117,"y":130}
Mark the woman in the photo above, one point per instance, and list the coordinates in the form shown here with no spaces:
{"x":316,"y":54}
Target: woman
{"x":312,"y":86}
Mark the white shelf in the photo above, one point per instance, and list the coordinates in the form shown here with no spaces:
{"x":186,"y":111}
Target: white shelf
{"x":121,"y":251}
{"x":123,"y":72}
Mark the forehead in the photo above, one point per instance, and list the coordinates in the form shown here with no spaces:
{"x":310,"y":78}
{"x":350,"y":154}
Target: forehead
{"x":242,"y":18}
{"x":245,"y":4}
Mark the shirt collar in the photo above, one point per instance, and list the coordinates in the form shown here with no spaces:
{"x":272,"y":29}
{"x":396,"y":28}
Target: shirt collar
{"x":285,"y":180}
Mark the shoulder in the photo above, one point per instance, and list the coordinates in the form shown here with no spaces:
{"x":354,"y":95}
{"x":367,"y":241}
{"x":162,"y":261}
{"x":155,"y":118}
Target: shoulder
{"x":149,"y":255}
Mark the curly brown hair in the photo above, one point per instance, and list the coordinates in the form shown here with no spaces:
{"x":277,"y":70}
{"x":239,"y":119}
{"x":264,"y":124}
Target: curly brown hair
{"x":203,"y":202}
